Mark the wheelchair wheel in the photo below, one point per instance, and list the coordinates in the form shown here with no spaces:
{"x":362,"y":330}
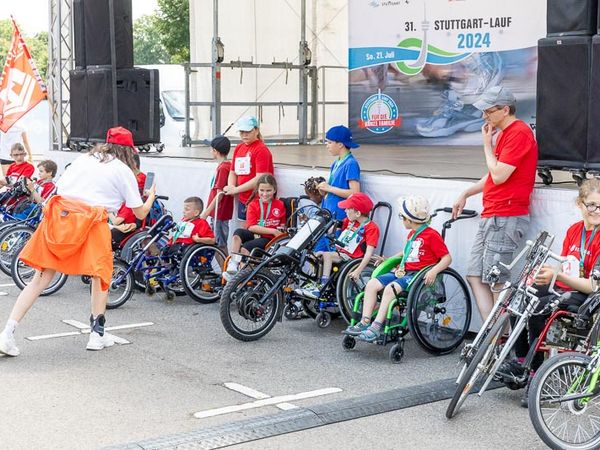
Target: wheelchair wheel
{"x":347,"y":289}
{"x":201,"y":271}
{"x":121,"y":285}
{"x":12,"y":240}
{"x":397,"y":352}
{"x":245,"y":312}
{"x":439,"y":315}
{"x":22,"y":275}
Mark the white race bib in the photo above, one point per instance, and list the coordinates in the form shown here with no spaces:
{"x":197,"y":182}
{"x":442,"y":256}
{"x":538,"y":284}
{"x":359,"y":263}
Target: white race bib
{"x":350,"y":245}
{"x":184,"y":230}
{"x":570,"y":266}
{"x":242,"y":165}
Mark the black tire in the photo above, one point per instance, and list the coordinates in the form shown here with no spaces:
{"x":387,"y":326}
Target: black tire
{"x":347,"y":289}
{"x":439,"y":315}
{"x":21,"y":274}
{"x":12,"y":240}
{"x":240,"y":300}
{"x":129,"y":251}
{"x":554,"y":379}
{"x":201,"y":272}
{"x":471,"y":376}
{"x":396,"y":353}
{"x":121,"y":285}
{"x":323,"y":319}
{"x":348,"y":343}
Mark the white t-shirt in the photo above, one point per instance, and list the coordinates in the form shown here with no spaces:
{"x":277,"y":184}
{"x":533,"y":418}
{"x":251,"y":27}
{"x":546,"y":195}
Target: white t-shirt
{"x":12,"y":136}
{"x":108,"y":184}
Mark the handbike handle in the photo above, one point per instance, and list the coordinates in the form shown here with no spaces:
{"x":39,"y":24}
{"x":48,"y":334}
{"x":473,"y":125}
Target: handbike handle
{"x":464,"y":214}
{"x":161,"y":197}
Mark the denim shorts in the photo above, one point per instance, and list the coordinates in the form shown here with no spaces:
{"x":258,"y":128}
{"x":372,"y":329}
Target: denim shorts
{"x":391,"y":277}
{"x":497,"y":240}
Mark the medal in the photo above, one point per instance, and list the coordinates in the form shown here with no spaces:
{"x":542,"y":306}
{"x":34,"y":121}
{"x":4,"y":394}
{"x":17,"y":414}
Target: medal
{"x":400,"y":272}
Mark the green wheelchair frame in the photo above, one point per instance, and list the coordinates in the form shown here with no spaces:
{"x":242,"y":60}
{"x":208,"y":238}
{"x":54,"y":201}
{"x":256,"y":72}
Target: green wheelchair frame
{"x":409,"y":316}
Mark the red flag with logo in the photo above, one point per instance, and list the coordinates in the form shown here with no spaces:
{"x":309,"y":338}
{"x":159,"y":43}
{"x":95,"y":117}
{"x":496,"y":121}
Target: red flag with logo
{"x":21,"y":87}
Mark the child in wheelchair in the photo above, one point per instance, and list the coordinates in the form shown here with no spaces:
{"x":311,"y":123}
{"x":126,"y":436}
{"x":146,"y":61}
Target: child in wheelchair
{"x":265,"y":219}
{"x":424,"y":247}
{"x":191,"y":229}
{"x":581,"y":247}
{"x":358,"y":239}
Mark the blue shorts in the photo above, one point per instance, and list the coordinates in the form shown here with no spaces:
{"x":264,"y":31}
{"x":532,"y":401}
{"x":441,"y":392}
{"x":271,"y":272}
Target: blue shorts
{"x":241,"y":210}
{"x":390,"y":277}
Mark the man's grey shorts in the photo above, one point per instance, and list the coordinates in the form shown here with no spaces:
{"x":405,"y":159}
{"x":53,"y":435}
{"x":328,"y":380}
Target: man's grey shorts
{"x":221,"y":229}
{"x":497,"y":240}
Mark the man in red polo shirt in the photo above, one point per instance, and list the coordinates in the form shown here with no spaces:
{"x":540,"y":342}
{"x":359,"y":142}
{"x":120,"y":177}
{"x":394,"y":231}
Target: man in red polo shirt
{"x":506,"y":188}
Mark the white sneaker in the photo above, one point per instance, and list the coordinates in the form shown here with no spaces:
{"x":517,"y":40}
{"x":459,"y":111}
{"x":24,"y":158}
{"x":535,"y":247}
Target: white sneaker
{"x":98,"y":342}
{"x":8,"y":346}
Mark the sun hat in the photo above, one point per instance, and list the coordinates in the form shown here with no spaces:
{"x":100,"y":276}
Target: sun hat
{"x":414,"y":208}
{"x":358,"y":201}
{"x":341,"y":134}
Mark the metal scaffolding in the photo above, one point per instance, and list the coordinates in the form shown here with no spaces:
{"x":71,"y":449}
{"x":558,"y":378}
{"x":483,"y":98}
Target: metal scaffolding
{"x":60,"y":52}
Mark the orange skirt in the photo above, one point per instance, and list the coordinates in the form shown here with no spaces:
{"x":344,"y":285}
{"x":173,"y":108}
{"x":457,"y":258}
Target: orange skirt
{"x":73,"y":238}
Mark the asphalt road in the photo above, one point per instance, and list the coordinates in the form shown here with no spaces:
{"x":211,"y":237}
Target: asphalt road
{"x":57,"y":395}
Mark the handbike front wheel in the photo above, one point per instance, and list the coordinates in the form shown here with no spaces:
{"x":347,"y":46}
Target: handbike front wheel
{"x":201,"y":271}
{"x":562,"y":423}
{"x":22,"y":275}
{"x":439,"y":315}
{"x":246,"y":312}
{"x":121,"y":285}
{"x":482,"y":360}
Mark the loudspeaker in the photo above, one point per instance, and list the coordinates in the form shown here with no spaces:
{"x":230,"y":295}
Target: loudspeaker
{"x":99,"y":103}
{"x":572,"y":17}
{"x":563,"y":88}
{"x":103,"y":33}
{"x":593,"y":146}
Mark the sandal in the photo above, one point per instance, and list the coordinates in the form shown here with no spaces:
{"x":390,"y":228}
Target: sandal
{"x":369,"y":335}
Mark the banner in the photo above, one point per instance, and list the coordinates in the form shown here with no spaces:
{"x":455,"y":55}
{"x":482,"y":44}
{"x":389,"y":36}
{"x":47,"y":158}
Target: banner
{"x":21,"y":87}
{"x":417,"y":66}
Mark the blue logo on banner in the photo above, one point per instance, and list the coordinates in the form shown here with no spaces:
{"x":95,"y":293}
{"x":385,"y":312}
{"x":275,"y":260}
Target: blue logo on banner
{"x":379,"y":114}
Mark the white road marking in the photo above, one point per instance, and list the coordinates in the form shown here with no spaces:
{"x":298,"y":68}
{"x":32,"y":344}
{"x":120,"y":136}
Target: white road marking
{"x":265,"y":402}
{"x":7,"y":285}
{"x":85,"y":329}
{"x":253,"y":393}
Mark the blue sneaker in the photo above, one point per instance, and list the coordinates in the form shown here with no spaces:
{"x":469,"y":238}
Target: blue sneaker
{"x":357,"y":329}
{"x":310,"y":290}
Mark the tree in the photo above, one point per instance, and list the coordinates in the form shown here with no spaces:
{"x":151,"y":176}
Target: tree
{"x":38,"y":46}
{"x":174,"y":28}
{"x":147,"y":44}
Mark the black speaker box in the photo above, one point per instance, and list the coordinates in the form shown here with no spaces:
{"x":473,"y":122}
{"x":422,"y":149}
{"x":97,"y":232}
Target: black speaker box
{"x":572,"y":17}
{"x":563,"y":88}
{"x":103,"y":33}
{"x":98,"y":103}
{"x":593,"y":147}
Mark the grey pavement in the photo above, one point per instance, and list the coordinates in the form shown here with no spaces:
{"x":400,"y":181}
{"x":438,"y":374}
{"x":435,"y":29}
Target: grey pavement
{"x":56,"y":395}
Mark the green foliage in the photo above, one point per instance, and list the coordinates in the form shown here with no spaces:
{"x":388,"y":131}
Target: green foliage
{"x":174,"y":28}
{"x":38,"y":46}
{"x":147,"y":45}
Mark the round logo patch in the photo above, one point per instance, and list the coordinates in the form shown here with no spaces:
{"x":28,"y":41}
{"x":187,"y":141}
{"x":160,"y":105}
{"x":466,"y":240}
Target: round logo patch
{"x":379,"y":114}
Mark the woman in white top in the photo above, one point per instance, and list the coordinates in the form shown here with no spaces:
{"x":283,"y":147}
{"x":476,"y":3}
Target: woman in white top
{"x":74,"y":237}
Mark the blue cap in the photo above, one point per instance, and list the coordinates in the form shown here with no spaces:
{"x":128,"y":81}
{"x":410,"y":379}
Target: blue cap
{"x":341,"y":134}
{"x":247,"y":123}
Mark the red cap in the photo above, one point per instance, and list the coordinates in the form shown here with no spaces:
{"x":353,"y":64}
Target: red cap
{"x":358,"y":201}
{"x":120,"y":136}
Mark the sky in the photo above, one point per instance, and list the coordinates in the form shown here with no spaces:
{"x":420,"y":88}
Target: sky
{"x":34,"y":23}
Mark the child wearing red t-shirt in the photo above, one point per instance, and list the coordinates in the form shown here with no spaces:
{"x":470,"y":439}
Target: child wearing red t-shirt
{"x":265,"y":220}
{"x":424,"y":247}
{"x":221,"y":208}
{"x":44,"y":186}
{"x":358,"y":239}
{"x":192,"y":229}
{"x":18,"y":169}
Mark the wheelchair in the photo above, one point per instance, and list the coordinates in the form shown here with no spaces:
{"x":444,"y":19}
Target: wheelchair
{"x":194,"y":269}
{"x":256,"y":297}
{"x":437,"y":316}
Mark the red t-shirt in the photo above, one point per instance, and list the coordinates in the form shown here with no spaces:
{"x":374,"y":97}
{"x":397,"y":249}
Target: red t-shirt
{"x":188,"y":228}
{"x":571,"y":246}
{"x":515,"y":146}
{"x":126,"y":214}
{"x":427,"y":249}
{"x":16,"y":171}
{"x":247,"y":161}
{"x":225,"y":211}
{"x":357,"y":237}
{"x":44,"y":188}
{"x":141,"y":180}
{"x":275,"y":217}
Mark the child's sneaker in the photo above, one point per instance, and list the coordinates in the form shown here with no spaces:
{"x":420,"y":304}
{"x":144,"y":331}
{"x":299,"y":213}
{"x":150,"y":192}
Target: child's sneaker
{"x":98,"y":342}
{"x":310,"y":290}
{"x":369,"y":335}
{"x":357,"y":329}
{"x":8,"y":345}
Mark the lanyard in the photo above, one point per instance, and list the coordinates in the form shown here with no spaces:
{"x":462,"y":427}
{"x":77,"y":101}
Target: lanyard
{"x":409,"y":245}
{"x":263,"y":218}
{"x":355,"y":232}
{"x":583,"y":249}
{"x":336,"y":165}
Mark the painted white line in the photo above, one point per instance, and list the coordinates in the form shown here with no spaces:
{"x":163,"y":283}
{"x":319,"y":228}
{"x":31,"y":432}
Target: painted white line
{"x":265,"y":402}
{"x":7,"y":285}
{"x":286,"y":406}
{"x":117,"y":339}
{"x":52,"y":336}
{"x":76,"y":324}
{"x":252,"y":393}
{"x":133,"y":325}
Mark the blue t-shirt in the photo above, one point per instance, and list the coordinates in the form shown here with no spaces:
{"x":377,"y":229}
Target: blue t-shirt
{"x":340,"y":177}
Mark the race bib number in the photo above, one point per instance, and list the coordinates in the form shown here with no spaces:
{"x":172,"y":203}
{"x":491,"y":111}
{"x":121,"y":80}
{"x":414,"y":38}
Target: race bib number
{"x":350,"y":242}
{"x":570,"y":266}
{"x":242,"y":165}
{"x":184,"y":229}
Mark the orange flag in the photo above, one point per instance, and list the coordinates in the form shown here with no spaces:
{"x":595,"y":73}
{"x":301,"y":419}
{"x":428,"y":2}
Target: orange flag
{"x":21,"y":87}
